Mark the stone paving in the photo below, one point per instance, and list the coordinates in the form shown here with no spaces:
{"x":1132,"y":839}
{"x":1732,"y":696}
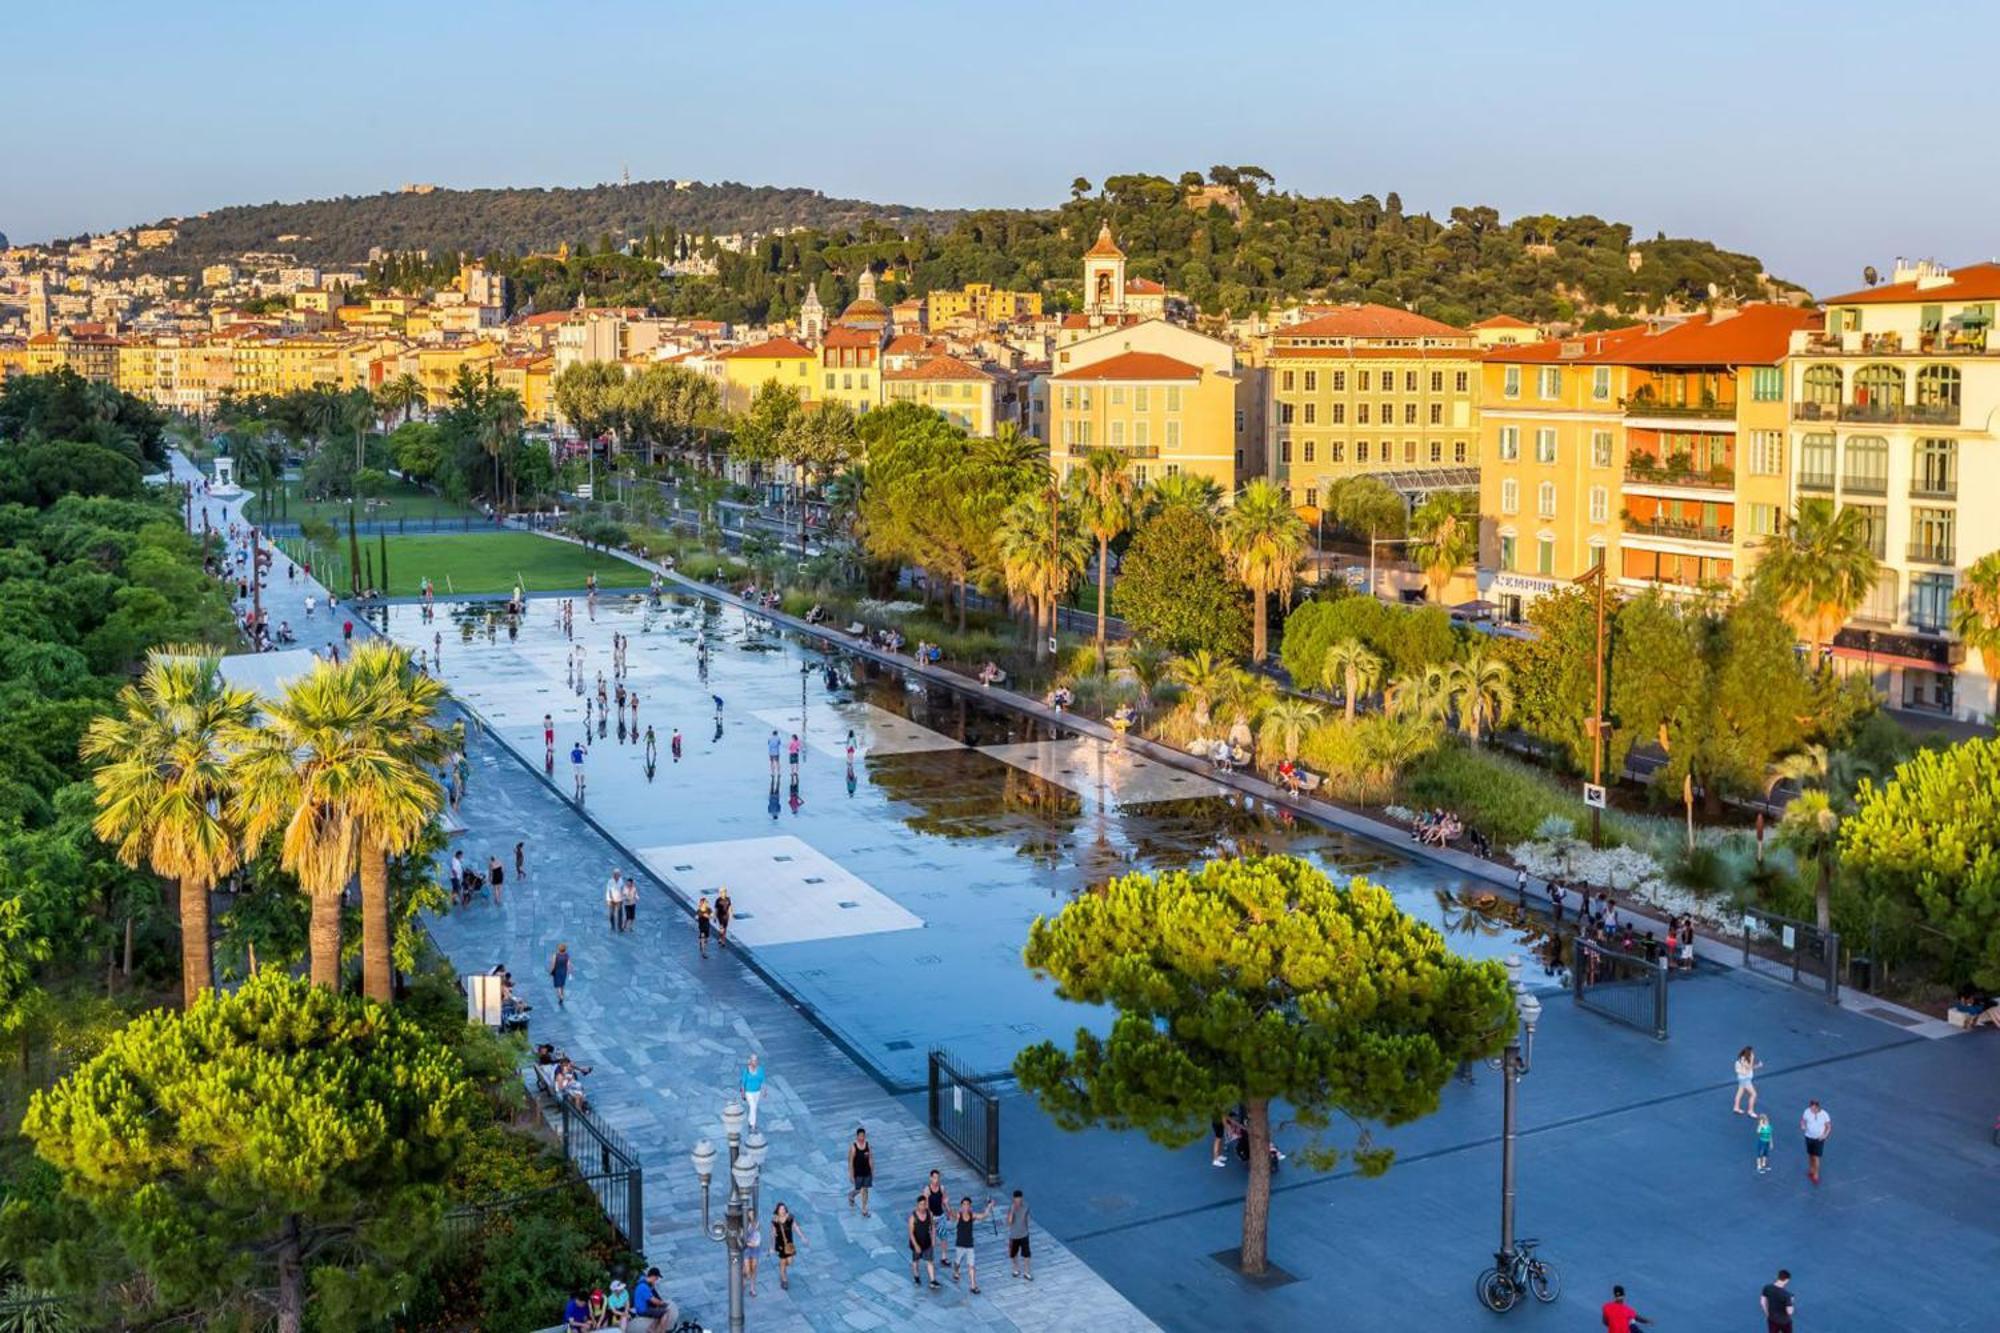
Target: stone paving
{"x":665,"y":1033}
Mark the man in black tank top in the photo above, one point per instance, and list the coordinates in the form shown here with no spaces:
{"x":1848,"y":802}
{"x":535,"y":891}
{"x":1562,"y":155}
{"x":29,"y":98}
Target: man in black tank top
{"x":860,"y":1170}
{"x":964,"y":1259}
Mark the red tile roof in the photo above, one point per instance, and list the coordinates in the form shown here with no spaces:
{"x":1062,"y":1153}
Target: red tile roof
{"x":908,"y":344}
{"x":544,"y":318}
{"x":1584,"y":349}
{"x":1144,"y":285}
{"x":1974,"y":282}
{"x":774,"y":349}
{"x":1375,"y":353}
{"x":839,"y":336}
{"x":1135,"y":366}
{"x":940,"y":368}
{"x":1371,"y":321}
{"x":1105,"y":248}
{"x":1759,"y":334}
{"x":1503,"y":322}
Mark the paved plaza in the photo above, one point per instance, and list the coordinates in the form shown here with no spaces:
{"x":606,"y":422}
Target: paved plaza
{"x":885,"y":907}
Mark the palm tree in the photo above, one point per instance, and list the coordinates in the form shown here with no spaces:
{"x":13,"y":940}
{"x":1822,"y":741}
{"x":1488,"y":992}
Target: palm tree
{"x":1811,"y":828}
{"x":1975,"y":615}
{"x":1187,"y":490}
{"x":1354,"y":668}
{"x":1447,"y":540}
{"x":1104,"y":505}
{"x":1202,"y":677}
{"x":294,"y":776}
{"x":1285,"y":725}
{"x":162,"y":787}
{"x":392,"y":799}
{"x":1819,"y":569}
{"x":1041,"y":554}
{"x":404,"y":393}
{"x":1480,"y":693}
{"x":1419,"y":696}
{"x":500,"y":416}
{"x":357,"y":413}
{"x":1264,"y":539}
{"x":1147,"y":664}
{"x":1816,"y":768}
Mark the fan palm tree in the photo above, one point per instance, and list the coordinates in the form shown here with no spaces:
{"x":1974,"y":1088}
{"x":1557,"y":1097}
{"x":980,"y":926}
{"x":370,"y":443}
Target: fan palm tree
{"x":1203,"y":677}
{"x":500,"y":417}
{"x":1419,"y":696}
{"x":1104,"y":502}
{"x":393,"y":798}
{"x":1349,"y":665}
{"x":1480,"y":692}
{"x":162,"y":787}
{"x":1811,"y":828}
{"x":1147,"y":664}
{"x":1975,"y":615}
{"x":1265,"y":539}
{"x":1447,"y":540}
{"x":1285,"y":726}
{"x":1186,"y":490}
{"x":404,"y":394}
{"x":1816,"y":768}
{"x":295,"y":776}
{"x":1041,"y":554}
{"x":1819,"y":569}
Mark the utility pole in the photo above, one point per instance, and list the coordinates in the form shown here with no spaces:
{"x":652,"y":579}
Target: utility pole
{"x":1595,"y":726}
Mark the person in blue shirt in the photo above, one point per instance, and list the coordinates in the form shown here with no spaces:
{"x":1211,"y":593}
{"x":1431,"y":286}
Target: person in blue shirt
{"x":576,"y":1315}
{"x":649,"y":1302}
{"x":753,"y":1087}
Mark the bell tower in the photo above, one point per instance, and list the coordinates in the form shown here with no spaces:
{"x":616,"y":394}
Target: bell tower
{"x":1104,"y":275}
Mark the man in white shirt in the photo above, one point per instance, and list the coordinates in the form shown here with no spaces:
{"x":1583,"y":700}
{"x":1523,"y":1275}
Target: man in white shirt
{"x":1817,"y":1126}
{"x":457,"y":877}
{"x":614,"y":900}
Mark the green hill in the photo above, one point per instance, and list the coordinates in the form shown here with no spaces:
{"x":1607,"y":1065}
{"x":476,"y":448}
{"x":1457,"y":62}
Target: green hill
{"x":1243,"y":245}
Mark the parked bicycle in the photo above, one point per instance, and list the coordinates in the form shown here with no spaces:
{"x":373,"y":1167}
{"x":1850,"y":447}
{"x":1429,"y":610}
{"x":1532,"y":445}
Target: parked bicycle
{"x":1501,"y":1289}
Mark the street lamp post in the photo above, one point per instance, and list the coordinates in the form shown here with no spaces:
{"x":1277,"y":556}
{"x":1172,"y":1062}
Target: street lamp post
{"x":746,"y":1158}
{"x":1515,"y":1061}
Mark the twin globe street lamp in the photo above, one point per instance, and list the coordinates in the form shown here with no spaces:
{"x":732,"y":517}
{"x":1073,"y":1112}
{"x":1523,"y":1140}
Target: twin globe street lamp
{"x":1499,"y":1286}
{"x":739,"y":1215}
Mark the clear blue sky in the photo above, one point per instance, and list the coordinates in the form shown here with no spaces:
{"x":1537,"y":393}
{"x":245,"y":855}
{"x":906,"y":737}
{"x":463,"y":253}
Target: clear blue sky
{"x":1820,"y":137}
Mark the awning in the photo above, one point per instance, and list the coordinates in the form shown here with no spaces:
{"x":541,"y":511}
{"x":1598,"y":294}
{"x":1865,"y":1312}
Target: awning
{"x":1889,"y":660}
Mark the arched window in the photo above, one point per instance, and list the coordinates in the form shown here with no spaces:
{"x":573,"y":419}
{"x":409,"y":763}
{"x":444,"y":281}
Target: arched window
{"x":1878,"y":386}
{"x":1865,"y":468}
{"x":1822,"y":385}
{"x":1937,"y":386}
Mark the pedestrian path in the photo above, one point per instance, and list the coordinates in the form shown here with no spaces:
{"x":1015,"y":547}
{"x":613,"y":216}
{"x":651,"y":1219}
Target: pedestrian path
{"x":665,"y":1033}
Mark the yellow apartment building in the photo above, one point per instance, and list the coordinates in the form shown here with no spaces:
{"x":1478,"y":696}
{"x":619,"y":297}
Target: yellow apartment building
{"x":1369,"y":390}
{"x":438,"y":366}
{"x":748,"y":369}
{"x":530,"y":378}
{"x":851,"y":367}
{"x":1164,"y":415}
{"x":982,"y":303}
{"x":959,"y":390}
{"x":1896,"y":409}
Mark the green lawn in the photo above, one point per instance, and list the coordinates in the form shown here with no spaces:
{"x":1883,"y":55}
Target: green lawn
{"x":479,"y":562}
{"x":400,"y":500}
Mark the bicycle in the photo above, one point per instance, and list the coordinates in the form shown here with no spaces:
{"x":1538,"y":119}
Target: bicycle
{"x":1501,"y":1289}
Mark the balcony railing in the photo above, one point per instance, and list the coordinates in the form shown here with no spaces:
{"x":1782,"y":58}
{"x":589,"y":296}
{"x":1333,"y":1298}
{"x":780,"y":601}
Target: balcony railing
{"x":1933,"y":490}
{"x":1691,"y":532}
{"x":1643,"y":468}
{"x":1647,"y":407}
{"x":1932,"y":553}
{"x":1912,"y":414}
{"x":1956,"y":342}
{"x":1122,"y":450}
{"x":1864,"y":485}
{"x":1815,"y":481}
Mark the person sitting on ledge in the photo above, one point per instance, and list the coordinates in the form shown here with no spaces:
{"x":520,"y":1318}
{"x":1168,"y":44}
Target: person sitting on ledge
{"x":991,"y":674}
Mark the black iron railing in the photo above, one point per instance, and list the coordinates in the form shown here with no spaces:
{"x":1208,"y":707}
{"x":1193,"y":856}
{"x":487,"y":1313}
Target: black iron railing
{"x":965,"y":1115}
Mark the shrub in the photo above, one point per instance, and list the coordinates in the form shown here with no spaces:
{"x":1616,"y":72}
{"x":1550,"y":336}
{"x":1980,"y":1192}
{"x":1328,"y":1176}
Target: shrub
{"x":1502,"y":797}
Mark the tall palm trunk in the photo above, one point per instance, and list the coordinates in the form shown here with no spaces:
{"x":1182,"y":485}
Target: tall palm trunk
{"x":1823,"y":900}
{"x":377,"y":965}
{"x":323,"y":939}
{"x":1103,"y":581}
{"x":1257,"y":1197}
{"x":197,"y":966}
{"x":1259,"y":641}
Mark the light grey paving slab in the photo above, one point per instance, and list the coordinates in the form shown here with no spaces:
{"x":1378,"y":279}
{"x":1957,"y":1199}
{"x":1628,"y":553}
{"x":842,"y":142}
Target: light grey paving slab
{"x":782,"y":890}
{"x":1093,"y":768}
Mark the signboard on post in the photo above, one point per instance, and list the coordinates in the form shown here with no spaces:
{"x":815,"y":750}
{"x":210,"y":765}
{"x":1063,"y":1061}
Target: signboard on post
{"x":1593,"y":795}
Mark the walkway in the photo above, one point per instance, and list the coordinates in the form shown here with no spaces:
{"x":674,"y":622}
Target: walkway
{"x":665,"y":1033}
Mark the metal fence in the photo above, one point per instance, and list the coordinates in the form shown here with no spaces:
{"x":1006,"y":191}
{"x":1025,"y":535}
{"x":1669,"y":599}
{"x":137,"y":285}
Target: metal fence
{"x":965,"y":1115}
{"x":1623,"y":987}
{"x":605,"y":1161}
{"x":1792,"y":950}
{"x":394,"y":527}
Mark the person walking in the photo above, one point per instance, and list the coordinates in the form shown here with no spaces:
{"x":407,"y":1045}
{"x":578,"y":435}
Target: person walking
{"x":1747,"y":1065}
{"x":1817,"y":1126}
{"x":520,"y":860}
{"x":1618,"y":1316}
{"x":1521,"y":889}
{"x":753,"y":1250}
{"x":724,"y":909}
{"x":576,"y":771}
{"x":614,"y":903}
{"x":548,"y":731}
{"x":652,"y":752}
{"x":1777,"y":1303}
{"x":964,"y":1256}
{"x":704,"y":922}
{"x":860,"y":1169}
{"x":934,"y":1200}
{"x":771,"y":747}
{"x":922,"y":1233}
{"x":631,"y":897}
{"x":751,"y":1080}
{"x":674,"y":745}
{"x":559,"y":974}
{"x":792,"y":749}
{"x":496,"y":874}
{"x":457,"y":873}
{"x":785,"y":1241}
{"x":1763,"y":1145}
{"x":1020,"y":1254}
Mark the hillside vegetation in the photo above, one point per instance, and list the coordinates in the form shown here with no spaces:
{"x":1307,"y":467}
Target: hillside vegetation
{"x":1243,"y":246}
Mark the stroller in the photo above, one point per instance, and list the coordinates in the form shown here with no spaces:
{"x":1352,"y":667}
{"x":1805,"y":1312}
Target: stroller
{"x":471,"y":885}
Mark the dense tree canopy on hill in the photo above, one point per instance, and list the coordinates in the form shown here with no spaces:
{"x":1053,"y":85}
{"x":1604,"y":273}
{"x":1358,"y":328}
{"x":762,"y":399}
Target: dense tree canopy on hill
{"x":1241,"y":245}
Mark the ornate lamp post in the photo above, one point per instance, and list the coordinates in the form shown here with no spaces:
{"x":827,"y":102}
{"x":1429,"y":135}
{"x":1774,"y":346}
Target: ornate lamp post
{"x":746,"y":1158}
{"x":1515,"y":1061}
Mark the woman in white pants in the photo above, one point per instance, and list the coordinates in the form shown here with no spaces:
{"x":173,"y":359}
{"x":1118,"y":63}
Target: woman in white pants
{"x":753,"y":1087}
